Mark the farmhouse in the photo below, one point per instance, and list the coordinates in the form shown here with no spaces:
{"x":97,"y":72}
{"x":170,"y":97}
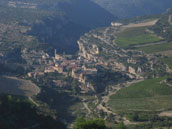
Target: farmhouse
{"x":116,"y":24}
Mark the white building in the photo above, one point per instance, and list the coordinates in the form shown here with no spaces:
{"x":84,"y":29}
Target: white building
{"x":116,"y":24}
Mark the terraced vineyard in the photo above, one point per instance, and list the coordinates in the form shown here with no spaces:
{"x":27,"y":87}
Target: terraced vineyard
{"x":136,"y":36}
{"x":148,"y":95}
{"x":156,"y":48}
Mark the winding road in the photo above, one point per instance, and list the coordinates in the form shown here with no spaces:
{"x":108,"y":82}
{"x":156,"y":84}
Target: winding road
{"x":30,"y":98}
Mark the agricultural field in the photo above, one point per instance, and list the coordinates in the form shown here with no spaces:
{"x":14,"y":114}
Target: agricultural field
{"x":135,"y":36}
{"x":148,"y":95}
{"x":156,"y":48}
{"x":15,"y":86}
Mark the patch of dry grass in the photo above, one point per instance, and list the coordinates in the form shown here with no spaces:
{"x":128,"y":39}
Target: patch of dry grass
{"x":16,"y":86}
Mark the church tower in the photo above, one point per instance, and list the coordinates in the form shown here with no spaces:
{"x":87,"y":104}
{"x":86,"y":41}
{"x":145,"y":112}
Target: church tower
{"x":55,"y":53}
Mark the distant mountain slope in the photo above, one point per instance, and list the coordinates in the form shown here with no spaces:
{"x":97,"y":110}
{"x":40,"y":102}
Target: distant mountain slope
{"x":132,"y":8}
{"x":87,"y":13}
{"x":81,"y":16}
{"x":56,"y":22}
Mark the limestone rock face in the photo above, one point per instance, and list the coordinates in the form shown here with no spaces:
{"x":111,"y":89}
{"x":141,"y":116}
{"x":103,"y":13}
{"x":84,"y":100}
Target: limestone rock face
{"x":88,"y":53}
{"x":120,"y":66}
{"x":131,"y":70}
{"x":95,"y":49}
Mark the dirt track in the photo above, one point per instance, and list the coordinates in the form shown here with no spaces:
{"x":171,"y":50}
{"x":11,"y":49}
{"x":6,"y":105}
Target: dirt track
{"x":167,"y":114}
{"x":142,"y":24}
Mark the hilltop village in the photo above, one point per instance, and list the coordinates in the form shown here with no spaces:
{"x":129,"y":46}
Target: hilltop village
{"x":100,"y":61}
{"x":120,"y":64}
{"x":64,"y":64}
{"x":89,"y":61}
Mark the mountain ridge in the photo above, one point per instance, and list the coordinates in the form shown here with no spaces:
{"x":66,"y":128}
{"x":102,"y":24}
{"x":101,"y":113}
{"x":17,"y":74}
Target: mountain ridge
{"x":133,"y":8}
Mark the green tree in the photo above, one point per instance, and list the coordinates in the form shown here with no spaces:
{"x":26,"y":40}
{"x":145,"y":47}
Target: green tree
{"x":82,"y":123}
{"x":121,"y":126}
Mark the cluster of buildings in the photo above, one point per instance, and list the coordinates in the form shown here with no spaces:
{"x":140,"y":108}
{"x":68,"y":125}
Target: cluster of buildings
{"x":76,"y":68}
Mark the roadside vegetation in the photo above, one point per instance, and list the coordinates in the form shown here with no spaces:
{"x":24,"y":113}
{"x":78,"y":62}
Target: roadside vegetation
{"x":82,"y":123}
